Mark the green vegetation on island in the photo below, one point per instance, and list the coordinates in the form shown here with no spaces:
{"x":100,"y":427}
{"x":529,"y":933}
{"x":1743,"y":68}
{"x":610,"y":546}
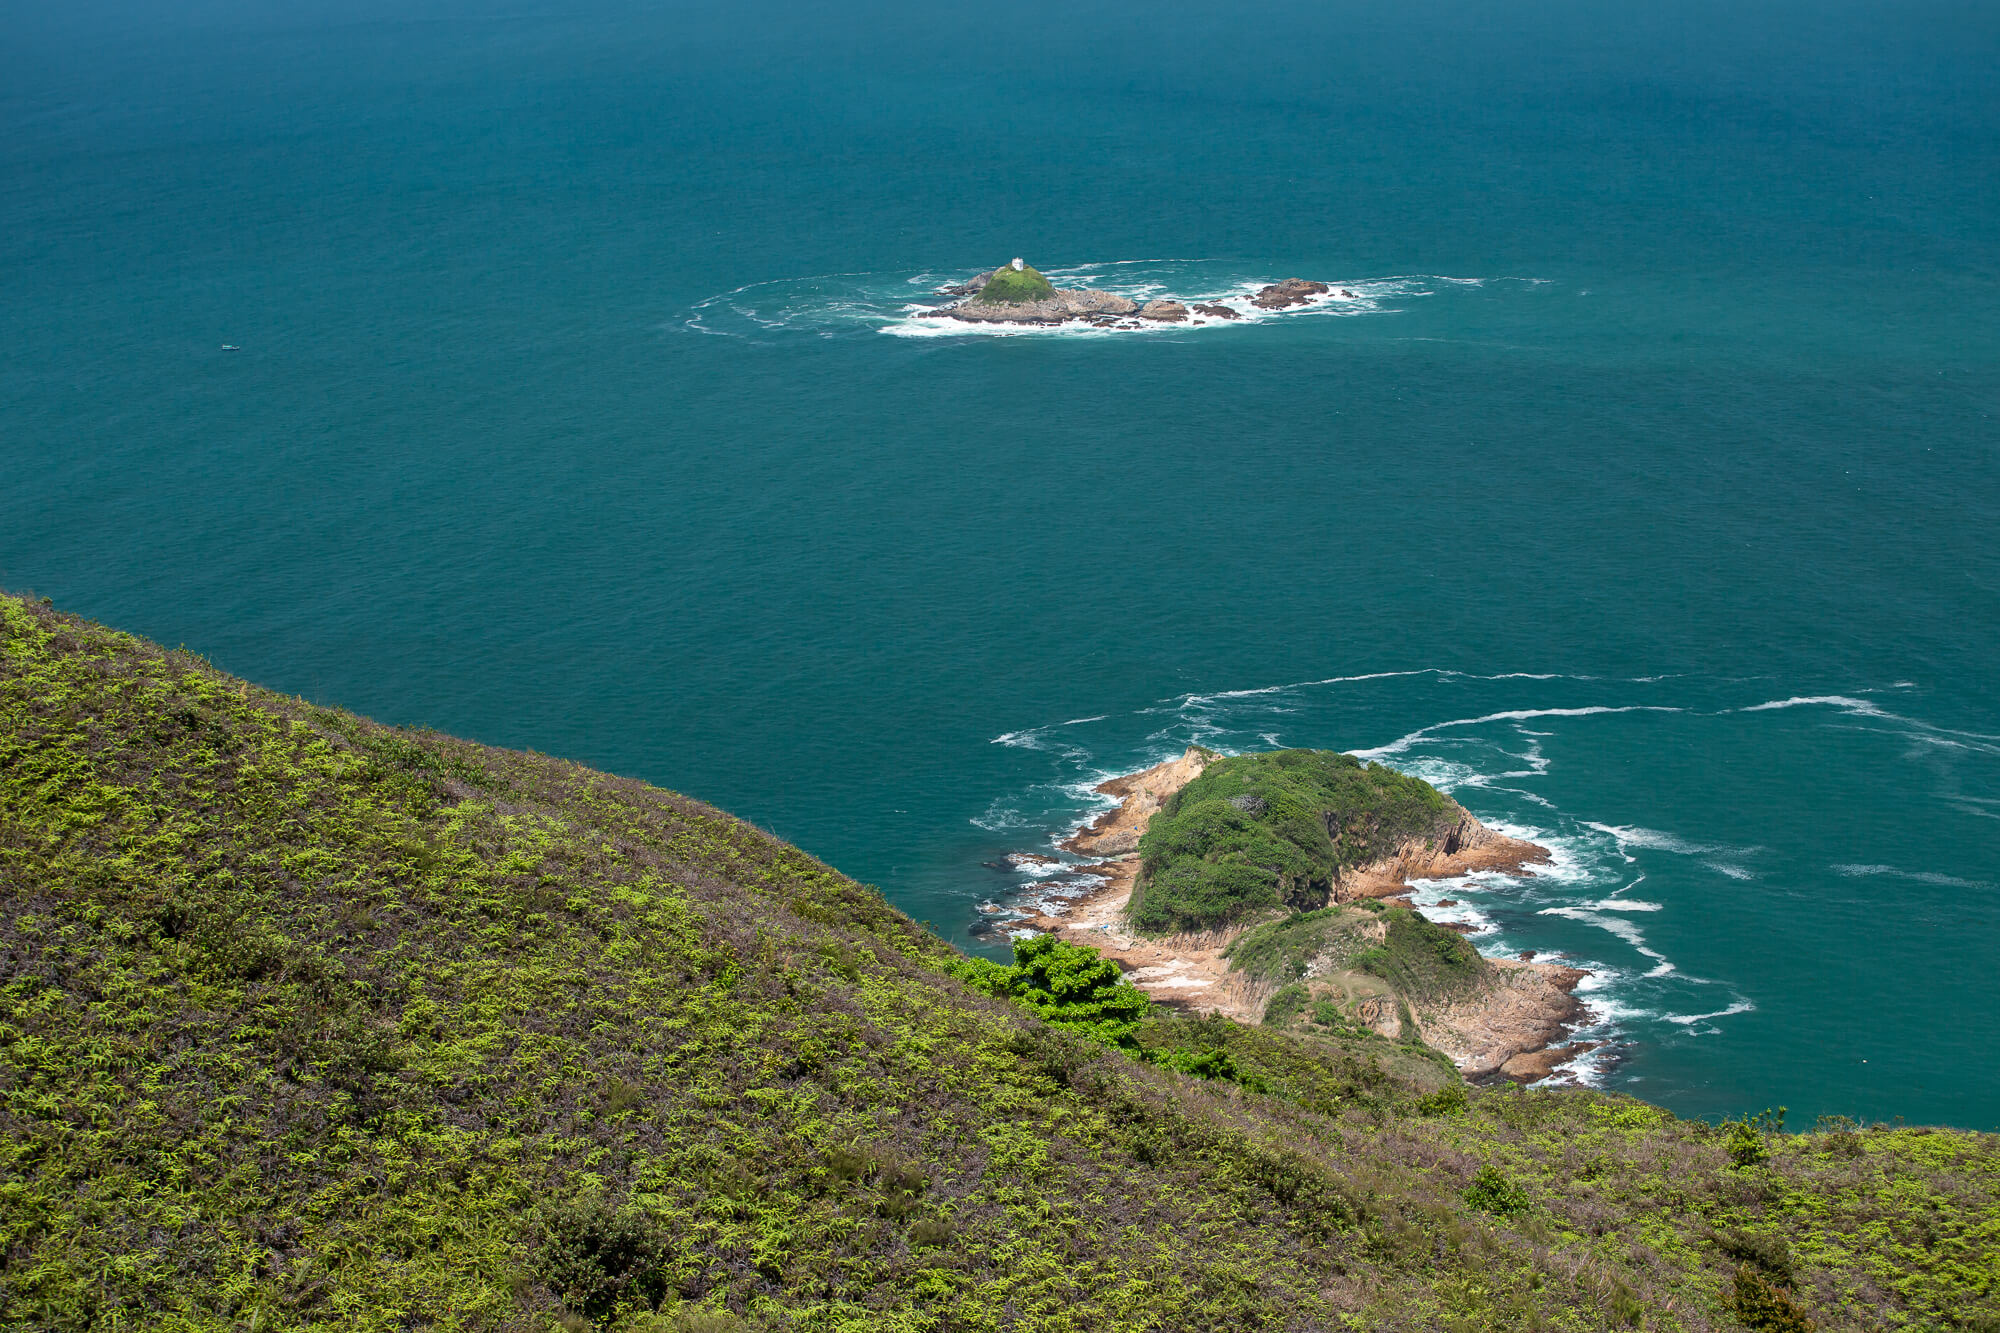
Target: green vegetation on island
{"x":311,"y":1024}
{"x":1015,"y":286}
{"x":1258,"y":833}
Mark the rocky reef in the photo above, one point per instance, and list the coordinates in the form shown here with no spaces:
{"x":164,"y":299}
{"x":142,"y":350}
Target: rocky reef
{"x":1017,"y":293}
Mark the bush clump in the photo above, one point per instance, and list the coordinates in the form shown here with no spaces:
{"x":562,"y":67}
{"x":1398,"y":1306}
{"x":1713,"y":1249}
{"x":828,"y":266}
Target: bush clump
{"x":1260,"y":832}
{"x":600,"y":1258}
{"x":1067,"y":984}
{"x":1765,"y":1306}
{"x":1491,"y":1192}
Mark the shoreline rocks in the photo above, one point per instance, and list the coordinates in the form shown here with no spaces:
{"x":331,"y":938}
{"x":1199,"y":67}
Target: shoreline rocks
{"x":1290,"y":292}
{"x":1110,"y":311}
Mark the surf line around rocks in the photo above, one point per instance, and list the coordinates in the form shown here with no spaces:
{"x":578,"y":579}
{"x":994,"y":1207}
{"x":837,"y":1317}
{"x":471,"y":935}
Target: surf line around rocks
{"x":1494,"y":1017}
{"x":1018,"y":294}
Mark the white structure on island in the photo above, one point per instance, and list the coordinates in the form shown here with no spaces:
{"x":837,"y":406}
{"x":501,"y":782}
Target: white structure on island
{"x":1019,"y":265}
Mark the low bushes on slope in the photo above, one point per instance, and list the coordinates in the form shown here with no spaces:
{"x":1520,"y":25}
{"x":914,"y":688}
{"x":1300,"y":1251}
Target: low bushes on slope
{"x":309,"y":1024}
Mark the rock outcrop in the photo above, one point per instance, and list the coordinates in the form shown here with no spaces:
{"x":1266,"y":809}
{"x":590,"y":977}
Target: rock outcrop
{"x":993,"y":297}
{"x":1116,"y":832}
{"x":1290,"y":292}
{"x":1065,"y":305}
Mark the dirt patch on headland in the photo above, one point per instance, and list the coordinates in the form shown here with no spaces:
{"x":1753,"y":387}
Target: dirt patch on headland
{"x":1504,"y":1029}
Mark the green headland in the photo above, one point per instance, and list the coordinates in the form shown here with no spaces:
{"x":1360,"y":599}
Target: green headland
{"x":1262,"y":832}
{"x":1015,"y":286}
{"x":308,"y":1023}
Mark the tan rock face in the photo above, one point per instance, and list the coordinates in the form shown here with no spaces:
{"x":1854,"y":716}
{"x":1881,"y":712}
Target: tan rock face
{"x":1169,"y":312}
{"x":1116,"y":832}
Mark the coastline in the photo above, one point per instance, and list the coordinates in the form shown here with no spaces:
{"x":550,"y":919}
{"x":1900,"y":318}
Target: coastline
{"x":1512,"y":1029}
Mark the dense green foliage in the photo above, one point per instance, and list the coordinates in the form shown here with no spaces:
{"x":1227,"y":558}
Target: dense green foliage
{"x":311,"y":1024}
{"x":1258,"y":833}
{"x":1065,"y":983}
{"x":1012,"y":287}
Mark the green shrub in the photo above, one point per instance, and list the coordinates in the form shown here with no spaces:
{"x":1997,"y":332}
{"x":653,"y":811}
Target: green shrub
{"x":1492,"y":1192}
{"x":599,"y":1258}
{"x":1287,"y":1004}
{"x":1451,"y":1099}
{"x":1065,"y":983}
{"x":1765,"y":1306}
{"x":1744,"y":1139}
{"x":1768,"y":1253}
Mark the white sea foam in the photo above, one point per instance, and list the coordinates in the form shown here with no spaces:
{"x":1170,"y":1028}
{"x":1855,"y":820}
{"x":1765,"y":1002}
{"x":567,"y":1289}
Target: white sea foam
{"x":1689,"y":1020}
{"x":1861,"y":707}
{"x":1403,"y":743}
{"x":1917,"y":876}
{"x":1623,"y":929}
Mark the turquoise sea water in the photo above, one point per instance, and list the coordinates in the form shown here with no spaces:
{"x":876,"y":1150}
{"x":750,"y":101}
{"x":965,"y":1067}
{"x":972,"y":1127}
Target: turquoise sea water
{"x":1645,"y":496}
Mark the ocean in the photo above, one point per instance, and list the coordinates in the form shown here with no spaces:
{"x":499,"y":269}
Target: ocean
{"x":1644,"y":495}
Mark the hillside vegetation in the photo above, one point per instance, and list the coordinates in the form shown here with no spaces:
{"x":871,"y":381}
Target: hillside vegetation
{"x":308,"y":1023}
{"x":1257,"y":833}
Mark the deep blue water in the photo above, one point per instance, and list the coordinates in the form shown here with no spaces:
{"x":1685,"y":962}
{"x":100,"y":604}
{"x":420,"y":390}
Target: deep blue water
{"x":570,"y":414}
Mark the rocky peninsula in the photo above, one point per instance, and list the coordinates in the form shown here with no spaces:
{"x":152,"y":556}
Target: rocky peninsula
{"x":1500,"y":1017}
{"x":1017,"y":293}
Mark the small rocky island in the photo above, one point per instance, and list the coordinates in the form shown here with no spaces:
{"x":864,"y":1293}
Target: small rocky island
{"x":1017,"y":293}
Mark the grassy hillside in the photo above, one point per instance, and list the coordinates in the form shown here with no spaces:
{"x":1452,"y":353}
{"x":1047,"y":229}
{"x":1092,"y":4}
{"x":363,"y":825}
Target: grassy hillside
{"x":1012,"y":286}
{"x":312,"y":1024}
{"x":1256,"y":833}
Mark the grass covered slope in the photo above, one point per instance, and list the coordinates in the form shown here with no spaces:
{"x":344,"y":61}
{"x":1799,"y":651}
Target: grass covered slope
{"x":312,"y":1024}
{"x":1258,"y":832}
{"x":1012,"y":286}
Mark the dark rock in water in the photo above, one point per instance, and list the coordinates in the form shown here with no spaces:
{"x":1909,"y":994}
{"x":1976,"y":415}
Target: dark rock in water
{"x":1217,"y":312}
{"x":1167,"y":312}
{"x":1290,"y":292}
